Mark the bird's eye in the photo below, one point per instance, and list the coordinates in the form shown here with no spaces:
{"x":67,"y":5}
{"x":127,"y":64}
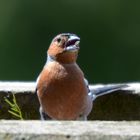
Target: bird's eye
{"x":59,"y":40}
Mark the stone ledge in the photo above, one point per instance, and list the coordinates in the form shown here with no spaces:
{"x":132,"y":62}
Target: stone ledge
{"x":120,"y":105}
{"x":73,"y":130}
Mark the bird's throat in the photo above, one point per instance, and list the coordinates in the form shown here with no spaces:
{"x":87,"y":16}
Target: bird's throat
{"x":67,"y":57}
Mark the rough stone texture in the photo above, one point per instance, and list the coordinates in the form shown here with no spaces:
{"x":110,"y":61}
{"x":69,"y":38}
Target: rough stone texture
{"x":121,"y":105}
{"x":69,"y":130}
{"x":26,"y":99}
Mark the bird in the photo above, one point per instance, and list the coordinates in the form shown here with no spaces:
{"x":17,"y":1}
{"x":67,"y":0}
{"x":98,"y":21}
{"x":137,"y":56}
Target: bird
{"x":62,"y":89}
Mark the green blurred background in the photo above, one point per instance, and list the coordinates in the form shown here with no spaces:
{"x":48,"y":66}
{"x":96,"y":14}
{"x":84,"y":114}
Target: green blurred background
{"x":109,"y":32}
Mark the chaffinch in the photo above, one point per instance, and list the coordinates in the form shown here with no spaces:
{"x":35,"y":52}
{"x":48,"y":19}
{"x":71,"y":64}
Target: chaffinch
{"x":62,"y":90}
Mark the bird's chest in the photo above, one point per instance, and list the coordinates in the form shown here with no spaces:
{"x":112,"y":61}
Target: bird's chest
{"x":62,"y":77}
{"x":64,"y":90}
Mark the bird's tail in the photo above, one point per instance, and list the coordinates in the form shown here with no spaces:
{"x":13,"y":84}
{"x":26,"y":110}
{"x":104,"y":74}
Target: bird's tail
{"x":105,"y":89}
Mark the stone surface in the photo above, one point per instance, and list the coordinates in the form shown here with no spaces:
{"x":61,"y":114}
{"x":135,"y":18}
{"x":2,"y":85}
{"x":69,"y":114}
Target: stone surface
{"x":69,"y":130}
{"x":120,"y":105}
{"x":26,"y":99}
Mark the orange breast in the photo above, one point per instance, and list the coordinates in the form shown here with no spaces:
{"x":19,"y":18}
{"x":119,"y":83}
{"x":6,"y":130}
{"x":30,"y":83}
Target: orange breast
{"x":62,"y":91}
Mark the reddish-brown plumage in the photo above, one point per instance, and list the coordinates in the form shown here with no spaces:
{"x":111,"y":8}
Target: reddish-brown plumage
{"x":62,"y":93}
{"x":61,"y":88}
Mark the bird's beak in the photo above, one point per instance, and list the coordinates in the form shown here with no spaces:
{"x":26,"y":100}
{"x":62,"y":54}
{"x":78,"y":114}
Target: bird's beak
{"x":72,"y":43}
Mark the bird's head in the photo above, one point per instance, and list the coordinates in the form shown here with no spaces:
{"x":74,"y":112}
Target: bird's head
{"x":64,"y":48}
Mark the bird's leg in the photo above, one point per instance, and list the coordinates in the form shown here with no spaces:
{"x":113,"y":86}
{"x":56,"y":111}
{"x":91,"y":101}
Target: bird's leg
{"x":43,"y":116}
{"x":82,"y":117}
